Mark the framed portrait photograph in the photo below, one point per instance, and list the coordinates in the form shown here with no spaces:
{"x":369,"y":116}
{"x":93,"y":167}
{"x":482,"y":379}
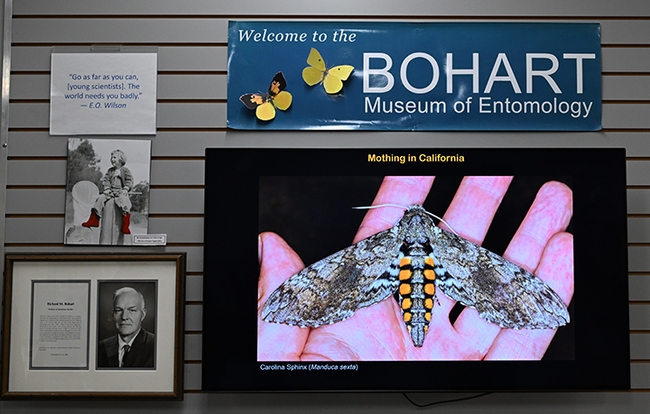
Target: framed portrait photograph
{"x":93,"y":325}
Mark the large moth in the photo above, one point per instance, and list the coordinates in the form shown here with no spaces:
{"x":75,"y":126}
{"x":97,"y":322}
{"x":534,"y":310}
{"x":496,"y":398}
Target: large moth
{"x":415,"y":259}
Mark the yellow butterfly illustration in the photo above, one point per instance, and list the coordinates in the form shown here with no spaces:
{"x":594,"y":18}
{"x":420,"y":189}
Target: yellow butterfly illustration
{"x":332,"y":78}
{"x":264,"y":104}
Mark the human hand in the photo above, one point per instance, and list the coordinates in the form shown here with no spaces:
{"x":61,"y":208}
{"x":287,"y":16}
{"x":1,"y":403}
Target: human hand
{"x":378,"y":333}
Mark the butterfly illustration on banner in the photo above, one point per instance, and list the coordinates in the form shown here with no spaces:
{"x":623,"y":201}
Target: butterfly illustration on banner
{"x":317,"y":72}
{"x":265,"y":104}
{"x":415,"y":259}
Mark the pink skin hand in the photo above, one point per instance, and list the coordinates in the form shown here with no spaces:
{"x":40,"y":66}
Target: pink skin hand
{"x":377,"y":332}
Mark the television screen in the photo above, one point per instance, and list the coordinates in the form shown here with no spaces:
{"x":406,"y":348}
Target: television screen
{"x":415,"y":270}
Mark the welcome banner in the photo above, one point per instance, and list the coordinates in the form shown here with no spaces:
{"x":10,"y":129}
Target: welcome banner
{"x":414,"y":76}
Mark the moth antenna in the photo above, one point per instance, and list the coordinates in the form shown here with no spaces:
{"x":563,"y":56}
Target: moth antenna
{"x":405,"y":207}
{"x":379,"y":205}
{"x":443,"y":221}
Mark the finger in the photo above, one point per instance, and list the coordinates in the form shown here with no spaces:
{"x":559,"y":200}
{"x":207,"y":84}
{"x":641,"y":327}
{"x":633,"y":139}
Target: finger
{"x":470,"y":214}
{"x":277,"y":342}
{"x":278,"y":262}
{"x":403,"y":191}
{"x":375,"y":332}
{"x":372,"y":331}
{"x":550,"y":213}
{"x":391,"y":338}
{"x":556,"y":268}
{"x":474,"y":205}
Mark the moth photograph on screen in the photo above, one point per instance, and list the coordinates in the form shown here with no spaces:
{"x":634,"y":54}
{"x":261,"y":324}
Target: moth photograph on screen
{"x":414,"y":286}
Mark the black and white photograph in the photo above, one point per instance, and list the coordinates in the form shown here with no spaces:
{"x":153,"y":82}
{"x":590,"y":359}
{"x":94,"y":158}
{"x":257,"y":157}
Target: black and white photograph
{"x":126,"y":327}
{"x":107,"y":191}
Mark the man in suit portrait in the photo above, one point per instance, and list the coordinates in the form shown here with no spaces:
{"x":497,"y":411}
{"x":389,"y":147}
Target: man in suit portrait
{"x":132,"y":346}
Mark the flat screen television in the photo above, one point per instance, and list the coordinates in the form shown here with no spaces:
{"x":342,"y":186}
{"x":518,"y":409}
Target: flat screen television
{"x":474,"y":270}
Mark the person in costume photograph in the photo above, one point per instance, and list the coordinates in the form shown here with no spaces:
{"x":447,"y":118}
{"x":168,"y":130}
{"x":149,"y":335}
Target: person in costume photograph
{"x":116,"y":183}
{"x":378,"y":330}
{"x":132,"y":346}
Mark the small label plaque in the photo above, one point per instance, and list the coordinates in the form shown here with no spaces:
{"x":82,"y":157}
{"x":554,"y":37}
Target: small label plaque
{"x":150,"y":239}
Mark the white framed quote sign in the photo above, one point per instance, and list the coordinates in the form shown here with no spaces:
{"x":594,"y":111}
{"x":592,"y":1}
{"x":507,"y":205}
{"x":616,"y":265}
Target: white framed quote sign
{"x":103,"y":93}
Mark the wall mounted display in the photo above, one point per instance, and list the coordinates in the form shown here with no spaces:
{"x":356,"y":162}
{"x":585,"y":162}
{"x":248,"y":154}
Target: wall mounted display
{"x":93,"y":325}
{"x":508,"y":277}
{"x":414,"y":76}
{"x":107,"y":191}
{"x":103,"y":93}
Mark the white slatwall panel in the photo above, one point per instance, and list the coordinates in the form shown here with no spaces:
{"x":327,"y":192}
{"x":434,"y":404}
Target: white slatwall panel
{"x":337,"y":8}
{"x":191,"y":37}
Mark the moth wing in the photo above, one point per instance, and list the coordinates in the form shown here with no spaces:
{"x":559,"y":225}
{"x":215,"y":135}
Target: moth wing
{"x":341,"y":72}
{"x":332,"y":84}
{"x":252,"y":100}
{"x":312,"y":76}
{"x":315,"y":60}
{"x":265,"y":112}
{"x":333,"y":288}
{"x":282,"y":100}
{"x":502,"y":292}
{"x":279,"y":83}
{"x":334,"y":78}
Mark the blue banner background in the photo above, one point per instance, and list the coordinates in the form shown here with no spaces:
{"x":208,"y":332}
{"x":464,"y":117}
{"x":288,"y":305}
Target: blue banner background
{"x":253,"y":64}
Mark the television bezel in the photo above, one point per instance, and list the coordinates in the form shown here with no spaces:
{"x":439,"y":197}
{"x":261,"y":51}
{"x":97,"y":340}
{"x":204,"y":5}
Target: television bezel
{"x":599,"y":309}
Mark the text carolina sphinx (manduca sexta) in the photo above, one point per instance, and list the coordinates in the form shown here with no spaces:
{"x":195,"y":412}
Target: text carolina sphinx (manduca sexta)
{"x":415,"y":258}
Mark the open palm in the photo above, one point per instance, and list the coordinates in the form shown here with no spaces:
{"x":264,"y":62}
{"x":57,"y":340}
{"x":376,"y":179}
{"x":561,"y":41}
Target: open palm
{"x":377,"y":332}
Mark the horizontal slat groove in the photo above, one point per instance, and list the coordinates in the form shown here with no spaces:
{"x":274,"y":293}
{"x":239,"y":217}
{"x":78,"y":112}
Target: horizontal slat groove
{"x":628,"y":74}
{"x":60,"y":158}
{"x":202,"y":158}
{"x":130,"y":44}
{"x":61,"y":187}
{"x":31,"y":244}
{"x":626,"y":102}
{"x":61,"y":215}
{"x":322,"y":17}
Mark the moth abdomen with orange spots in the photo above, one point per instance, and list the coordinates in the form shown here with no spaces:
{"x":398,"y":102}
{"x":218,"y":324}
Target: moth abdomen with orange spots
{"x":417,"y":288}
{"x":415,"y":259}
